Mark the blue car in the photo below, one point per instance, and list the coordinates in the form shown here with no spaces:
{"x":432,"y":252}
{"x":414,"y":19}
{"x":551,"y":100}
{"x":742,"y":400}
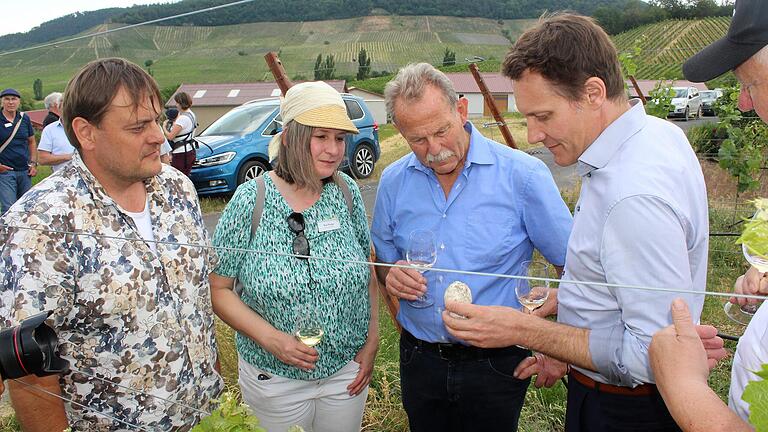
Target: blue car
{"x":233,"y":150}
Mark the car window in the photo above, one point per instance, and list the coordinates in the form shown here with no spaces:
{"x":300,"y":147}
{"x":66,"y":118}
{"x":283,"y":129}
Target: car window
{"x":354,"y":111}
{"x":694,"y":92}
{"x":680,"y":92}
{"x":240,"y":121}
{"x":274,"y":126}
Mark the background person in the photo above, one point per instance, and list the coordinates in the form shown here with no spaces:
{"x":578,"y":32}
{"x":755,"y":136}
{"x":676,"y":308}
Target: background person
{"x":489,"y":207}
{"x":54,"y":149}
{"x":321,"y":388}
{"x":694,"y":405}
{"x":18,"y":159}
{"x":639,"y":220}
{"x":181,"y":135}
{"x":134,"y":312}
{"x":53,"y":105}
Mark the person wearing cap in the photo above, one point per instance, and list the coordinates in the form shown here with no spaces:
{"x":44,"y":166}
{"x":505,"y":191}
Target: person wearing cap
{"x":676,"y":357}
{"x":18,"y":150}
{"x":488,"y":206}
{"x":54,"y":149}
{"x":305,"y":215}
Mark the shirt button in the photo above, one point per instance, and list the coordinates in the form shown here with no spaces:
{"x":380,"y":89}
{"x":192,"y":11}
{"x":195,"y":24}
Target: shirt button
{"x":445,"y":215}
{"x":442,"y":246}
{"x":578,"y":208}
{"x":440,"y":278}
{"x":589,"y":174}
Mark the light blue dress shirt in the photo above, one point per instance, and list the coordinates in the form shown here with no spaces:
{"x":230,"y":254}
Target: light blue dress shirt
{"x":55,"y":141}
{"x":641,"y":219}
{"x":502,"y":205}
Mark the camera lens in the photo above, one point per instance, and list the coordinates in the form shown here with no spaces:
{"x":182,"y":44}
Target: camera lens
{"x":30,"y":348}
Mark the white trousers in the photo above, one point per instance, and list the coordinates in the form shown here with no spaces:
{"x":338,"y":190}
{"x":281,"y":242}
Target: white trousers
{"x":317,"y":406}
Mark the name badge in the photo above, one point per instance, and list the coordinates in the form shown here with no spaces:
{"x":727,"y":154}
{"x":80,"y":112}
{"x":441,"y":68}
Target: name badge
{"x":328,"y":225}
{"x":8,"y":124}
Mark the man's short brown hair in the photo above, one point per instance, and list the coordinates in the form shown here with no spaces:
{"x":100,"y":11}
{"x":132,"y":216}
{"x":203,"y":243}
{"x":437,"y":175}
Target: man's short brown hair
{"x":567,"y":49}
{"x":90,"y":93}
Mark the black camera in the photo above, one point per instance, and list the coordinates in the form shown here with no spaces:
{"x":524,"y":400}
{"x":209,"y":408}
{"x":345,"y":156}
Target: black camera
{"x":30,"y":348}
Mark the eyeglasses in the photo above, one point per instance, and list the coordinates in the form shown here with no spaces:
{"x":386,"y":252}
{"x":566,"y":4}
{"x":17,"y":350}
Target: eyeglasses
{"x":300,"y":243}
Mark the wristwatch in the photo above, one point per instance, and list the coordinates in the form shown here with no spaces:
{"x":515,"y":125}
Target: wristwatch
{"x":32,"y":164}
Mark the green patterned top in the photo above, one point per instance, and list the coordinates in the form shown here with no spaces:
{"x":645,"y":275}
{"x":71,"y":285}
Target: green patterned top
{"x":277,"y":287}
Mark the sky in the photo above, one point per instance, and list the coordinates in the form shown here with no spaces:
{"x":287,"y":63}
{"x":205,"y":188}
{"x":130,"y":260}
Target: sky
{"x":22,"y":16}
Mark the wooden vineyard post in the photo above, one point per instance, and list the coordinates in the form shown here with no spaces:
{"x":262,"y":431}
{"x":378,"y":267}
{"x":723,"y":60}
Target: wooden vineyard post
{"x":276,"y":67}
{"x":637,"y":89}
{"x":492,"y":106}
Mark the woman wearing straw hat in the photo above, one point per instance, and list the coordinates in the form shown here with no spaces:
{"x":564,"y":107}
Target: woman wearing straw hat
{"x":292,"y":292}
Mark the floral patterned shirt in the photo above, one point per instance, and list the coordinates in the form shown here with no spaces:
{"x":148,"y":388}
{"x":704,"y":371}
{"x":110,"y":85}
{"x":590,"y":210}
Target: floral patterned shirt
{"x":141,"y":321}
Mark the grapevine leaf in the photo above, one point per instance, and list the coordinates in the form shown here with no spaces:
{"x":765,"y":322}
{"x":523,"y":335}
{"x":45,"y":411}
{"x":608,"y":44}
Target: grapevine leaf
{"x":756,"y":395}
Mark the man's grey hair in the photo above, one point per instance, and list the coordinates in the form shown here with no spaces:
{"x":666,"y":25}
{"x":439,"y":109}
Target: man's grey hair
{"x":410,"y":83}
{"x":53,"y":99}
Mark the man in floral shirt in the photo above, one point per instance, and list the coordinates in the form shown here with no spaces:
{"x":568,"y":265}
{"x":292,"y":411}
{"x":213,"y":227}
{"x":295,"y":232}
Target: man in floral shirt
{"x":106,"y":243}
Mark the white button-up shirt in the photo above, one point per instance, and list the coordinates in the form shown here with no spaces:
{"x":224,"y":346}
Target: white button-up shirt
{"x":641,"y":219}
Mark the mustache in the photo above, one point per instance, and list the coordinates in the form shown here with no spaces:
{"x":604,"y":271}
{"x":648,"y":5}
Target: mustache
{"x":443,"y":155}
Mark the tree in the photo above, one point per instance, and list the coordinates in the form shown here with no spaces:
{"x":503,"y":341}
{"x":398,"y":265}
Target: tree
{"x":37,"y":87}
{"x":363,"y":65}
{"x":148,"y":64}
{"x":330,"y":67}
{"x":318,"y":67}
{"x":449,"y":57}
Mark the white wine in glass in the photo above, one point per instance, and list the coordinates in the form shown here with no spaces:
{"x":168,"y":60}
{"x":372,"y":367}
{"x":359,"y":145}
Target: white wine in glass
{"x":533,"y":293}
{"x":308,"y":329}
{"x":310,"y":336}
{"x":422,"y":254}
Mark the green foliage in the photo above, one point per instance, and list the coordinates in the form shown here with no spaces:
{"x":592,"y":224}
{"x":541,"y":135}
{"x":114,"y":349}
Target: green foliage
{"x":230,"y":416}
{"x":449,"y":57}
{"x":755,"y":232}
{"x":325,"y":70}
{"x":661,"y":99}
{"x":168,"y":91}
{"x":756,"y":395}
{"x":37,"y":87}
{"x":363,"y":64}
{"x":706,"y":139}
{"x":743,"y":152}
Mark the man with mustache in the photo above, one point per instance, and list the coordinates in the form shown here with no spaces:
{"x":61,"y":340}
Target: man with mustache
{"x":488,"y":206}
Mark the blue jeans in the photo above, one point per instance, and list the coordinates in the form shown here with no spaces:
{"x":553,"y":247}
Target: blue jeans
{"x":448,"y":388}
{"x":13,"y":184}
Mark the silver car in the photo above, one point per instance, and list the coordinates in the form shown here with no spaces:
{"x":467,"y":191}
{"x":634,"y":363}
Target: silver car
{"x":685,"y":102}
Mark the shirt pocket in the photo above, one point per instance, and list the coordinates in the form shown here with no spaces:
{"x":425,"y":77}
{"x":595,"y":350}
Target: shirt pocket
{"x":487,"y":238}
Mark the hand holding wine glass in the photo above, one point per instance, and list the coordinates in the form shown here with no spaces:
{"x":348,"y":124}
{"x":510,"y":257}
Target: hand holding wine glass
{"x":754,"y":245}
{"x":532,"y":293}
{"x":422,"y":254}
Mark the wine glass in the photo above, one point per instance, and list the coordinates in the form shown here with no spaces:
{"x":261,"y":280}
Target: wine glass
{"x":743,"y":314}
{"x":308,"y":329}
{"x":422,"y":254}
{"x":532,"y":293}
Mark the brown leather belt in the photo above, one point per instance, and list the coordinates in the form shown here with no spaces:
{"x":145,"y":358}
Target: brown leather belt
{"x":641,"y":390}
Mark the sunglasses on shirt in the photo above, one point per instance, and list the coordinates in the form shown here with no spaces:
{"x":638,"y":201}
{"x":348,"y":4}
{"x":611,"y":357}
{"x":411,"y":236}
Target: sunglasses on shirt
{"x":300,"y":243}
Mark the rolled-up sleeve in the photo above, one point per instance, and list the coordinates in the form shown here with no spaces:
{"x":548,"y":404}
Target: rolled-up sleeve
{"x":643,"y":243}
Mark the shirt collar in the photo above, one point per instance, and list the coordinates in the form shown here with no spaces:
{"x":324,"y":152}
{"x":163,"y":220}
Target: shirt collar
{"x":479,"y":150}
{"x":602,"y":150}
{"x":152,"y":184}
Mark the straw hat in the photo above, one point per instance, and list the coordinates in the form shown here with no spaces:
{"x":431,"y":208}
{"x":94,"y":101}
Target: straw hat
{"x":312,"y":104}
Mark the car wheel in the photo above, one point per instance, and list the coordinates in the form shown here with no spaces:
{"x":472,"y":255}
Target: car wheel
{"x":698,"y":113}
{"x":362,"y":161}
{"x":687,"y":114}
{"x":250,"y":170}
